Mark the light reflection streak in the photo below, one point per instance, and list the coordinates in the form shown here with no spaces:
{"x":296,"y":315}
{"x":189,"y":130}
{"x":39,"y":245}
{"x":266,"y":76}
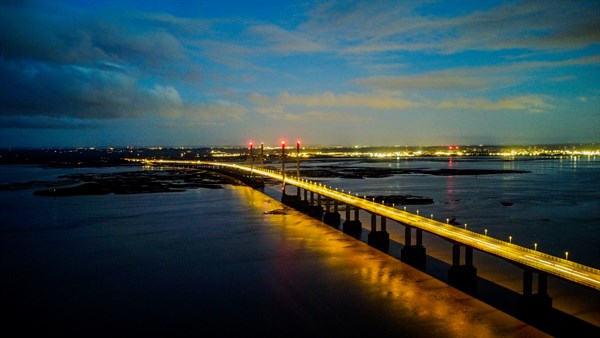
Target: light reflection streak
{"x":483,"y":243}
{"x":404,"y":291}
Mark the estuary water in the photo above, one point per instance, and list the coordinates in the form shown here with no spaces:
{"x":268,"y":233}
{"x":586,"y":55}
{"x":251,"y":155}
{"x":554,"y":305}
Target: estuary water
{"x":218,"y":263}
{"x":555,"y":204}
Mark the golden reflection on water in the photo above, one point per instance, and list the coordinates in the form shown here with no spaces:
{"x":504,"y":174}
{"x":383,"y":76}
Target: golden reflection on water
{"x":398,"y":288}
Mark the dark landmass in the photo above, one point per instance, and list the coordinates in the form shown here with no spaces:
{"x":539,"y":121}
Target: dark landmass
{"x":137,"y":182}
{"x":95,"y":157}
{"x":132,"y":182}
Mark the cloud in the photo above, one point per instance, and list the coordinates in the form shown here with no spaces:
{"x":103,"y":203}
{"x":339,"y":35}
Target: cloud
{"x":219,"y":112}
{"x":300,"y":107}
{"x":328,"y":99}
{"x":281,"y":40}
{"x":61,"y":63}
{"x":101,"y":93}
{"x":474,"y":78}
{"x":382,"y":26}
{"x":44,"y":122}
{"x":446,"y":80}
{"x":530,"y":103}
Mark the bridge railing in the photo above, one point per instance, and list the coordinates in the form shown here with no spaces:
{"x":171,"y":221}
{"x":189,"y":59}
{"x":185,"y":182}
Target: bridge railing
{"x":429,"y":225}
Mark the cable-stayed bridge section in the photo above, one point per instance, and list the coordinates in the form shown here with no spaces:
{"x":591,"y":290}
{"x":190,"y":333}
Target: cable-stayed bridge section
{"x":322,"y":202}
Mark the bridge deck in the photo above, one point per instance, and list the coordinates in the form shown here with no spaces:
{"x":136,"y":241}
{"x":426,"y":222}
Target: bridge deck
{"x":539,"y":261}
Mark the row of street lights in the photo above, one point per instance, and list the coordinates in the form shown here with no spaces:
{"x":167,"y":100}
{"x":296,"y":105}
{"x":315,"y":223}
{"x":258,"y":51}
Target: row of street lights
{"x":283,"y":144}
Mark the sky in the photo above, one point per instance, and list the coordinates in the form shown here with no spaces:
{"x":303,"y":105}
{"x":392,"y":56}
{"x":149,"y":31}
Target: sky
{"x":224,"y":73}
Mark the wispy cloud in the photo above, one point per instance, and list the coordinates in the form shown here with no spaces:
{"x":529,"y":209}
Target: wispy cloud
{"x":329,"y":99}
{"x":529,"y":103}
{"x":378,"y":26}
{"x":297,"y":107}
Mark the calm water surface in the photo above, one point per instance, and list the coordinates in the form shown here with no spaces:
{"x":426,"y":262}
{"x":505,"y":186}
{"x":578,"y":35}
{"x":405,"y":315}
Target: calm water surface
{"x":556,"y":204}
{"x":211,"y":262}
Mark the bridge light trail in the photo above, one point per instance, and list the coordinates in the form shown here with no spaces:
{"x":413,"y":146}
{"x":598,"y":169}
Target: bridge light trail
{"x":563,"y":268}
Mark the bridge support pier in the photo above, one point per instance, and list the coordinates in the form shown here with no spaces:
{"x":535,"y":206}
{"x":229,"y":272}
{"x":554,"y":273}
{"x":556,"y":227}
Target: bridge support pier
{"x":413,"y":254}
{"x":378,"y":239}
{"x":352,"y":226}
{"x":331,"y":217}
{"x":315,"y":210}
{"x":462,"y":276}
{"x":535,"y":305}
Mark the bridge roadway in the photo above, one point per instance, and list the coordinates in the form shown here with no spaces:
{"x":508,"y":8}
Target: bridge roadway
{"x":536,"y":260}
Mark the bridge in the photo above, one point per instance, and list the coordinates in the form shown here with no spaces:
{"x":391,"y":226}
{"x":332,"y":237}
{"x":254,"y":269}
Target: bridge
{"x":461,"y":274}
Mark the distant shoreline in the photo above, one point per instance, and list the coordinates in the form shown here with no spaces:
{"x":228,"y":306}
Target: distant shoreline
{"x":106,"y":157}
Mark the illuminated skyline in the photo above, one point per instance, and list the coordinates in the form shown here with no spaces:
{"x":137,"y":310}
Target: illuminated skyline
{"x":199,"y":73}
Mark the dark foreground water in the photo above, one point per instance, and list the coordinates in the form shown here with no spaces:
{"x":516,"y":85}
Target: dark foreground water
{"x":216,"y":263}
{"x":211,"y":263}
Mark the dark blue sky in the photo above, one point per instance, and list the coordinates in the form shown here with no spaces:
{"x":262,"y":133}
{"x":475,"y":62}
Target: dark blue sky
{"x":192,"y":73}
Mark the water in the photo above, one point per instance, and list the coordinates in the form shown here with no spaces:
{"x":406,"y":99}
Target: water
{"x":190,"y":263}
{"x":556,"y":204}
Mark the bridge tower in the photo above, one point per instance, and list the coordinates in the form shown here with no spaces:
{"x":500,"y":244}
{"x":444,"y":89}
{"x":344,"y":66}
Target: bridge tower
{"x":262,"y":155}
{"x":251,"y":160}
{"x":298,"y":166}
{"x":283,"y":167}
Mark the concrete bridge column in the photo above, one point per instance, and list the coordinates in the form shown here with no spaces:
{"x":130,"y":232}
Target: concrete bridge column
{"x":462,"y":276}
{"x":315,"y":211}
{"x":331,"y":217}
{"x":535,"y":305}
{"x":373,"y":222}
{"x":352,"y":227}
{"x":379,"y":239}
{"x":413,"y":254}
{"x":527,"y":283}
{"x":302,"y":204}
{"x":294,"y":201}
